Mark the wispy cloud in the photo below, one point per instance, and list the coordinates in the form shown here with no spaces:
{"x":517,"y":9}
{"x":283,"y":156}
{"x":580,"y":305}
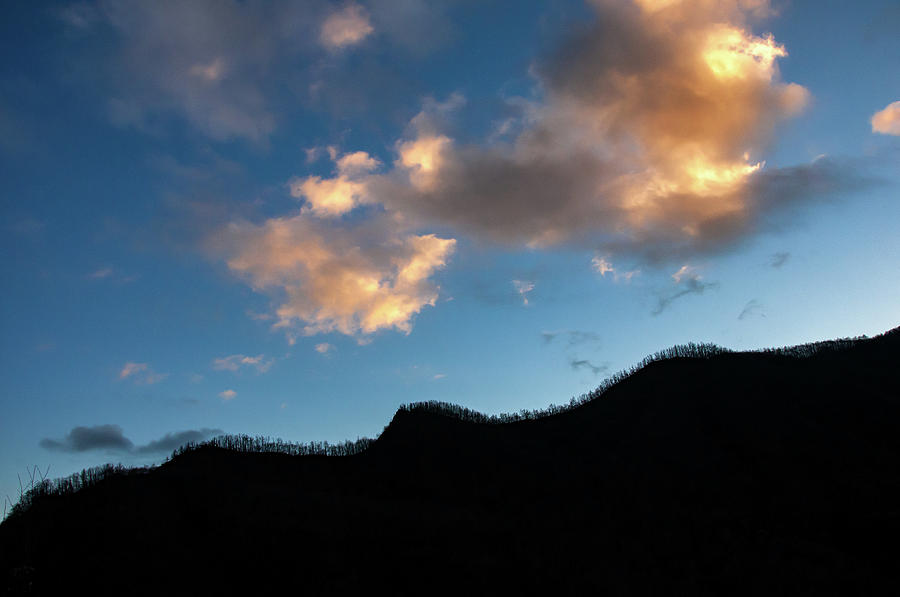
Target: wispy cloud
{"x":779,"y":259}
{"x":572,"y":337}
{"x":324,"y":348}
{"x":577,"y":364}
{"x":236,"y":361}
{"x":523,"y":287}
{"x":687,"y":282}
{"x":141,"y":373}
{"x":602,"y":265}
{"x":227,"y":395}
{"x":753,"y":307}
{"x":101,"y":273}
{"x":110,"y":438}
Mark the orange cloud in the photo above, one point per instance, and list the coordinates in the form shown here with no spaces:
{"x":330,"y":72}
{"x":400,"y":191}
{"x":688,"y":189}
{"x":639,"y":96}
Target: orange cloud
{"x":887,"y":121}
{"x":333,"y":197}
{"x":355,"y":281}
{"x":650,"y":132}
{"x":345,"y":28}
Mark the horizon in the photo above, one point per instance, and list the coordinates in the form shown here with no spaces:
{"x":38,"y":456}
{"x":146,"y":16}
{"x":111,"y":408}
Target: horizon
{"x":290,"y":219}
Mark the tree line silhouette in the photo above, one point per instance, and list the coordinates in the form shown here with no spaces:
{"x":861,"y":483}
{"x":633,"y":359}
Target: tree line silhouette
{"x":242,"y":443}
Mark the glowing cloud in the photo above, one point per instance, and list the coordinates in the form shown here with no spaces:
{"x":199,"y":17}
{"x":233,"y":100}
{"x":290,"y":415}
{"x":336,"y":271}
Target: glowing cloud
{"x":227,"y":395}
{"x":333,"y":197}
{"x":646,"y":138}
{"x":887,"y":121}
{"x":345,"y":28}
{"x":354,"y":281}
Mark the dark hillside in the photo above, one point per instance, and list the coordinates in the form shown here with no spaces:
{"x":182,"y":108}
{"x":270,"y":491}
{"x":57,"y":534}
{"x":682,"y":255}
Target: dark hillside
{"x":765,"y":473}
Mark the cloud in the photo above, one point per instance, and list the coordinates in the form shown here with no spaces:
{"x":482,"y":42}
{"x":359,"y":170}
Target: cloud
{"x":523,"y":287}
{"x":324,"y":348}
{"x":602,"y":265}
{"x":84,"y":439}
{"x":887,"y":121}
{"x":355,"y":280}
{"x":753,"y":307}
{"x":573,"y":337}
{"x":171,"y":441}
{"x":111,"y":439}
{"x":236,"y":361}
{"x":577,"y":364}
{"x":222,"y":67}
{"x":346,"y":27}
{"x":101,"y":273}
{"x":780,"y":258}
{"x":645,"y":138}
{"x":141,"y":373}
{"x":648,"y":134}
{"x":687,"y":281}
{"x":227,"y":395}
{"x":437,"y":376}
{"x":336,"y":196}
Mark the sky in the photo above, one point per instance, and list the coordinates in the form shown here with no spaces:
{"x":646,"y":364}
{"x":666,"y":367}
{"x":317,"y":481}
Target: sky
{"x":288,"y":219}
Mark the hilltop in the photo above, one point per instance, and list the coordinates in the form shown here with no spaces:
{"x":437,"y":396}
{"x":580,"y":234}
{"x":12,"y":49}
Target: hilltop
{"x":700,"y":472}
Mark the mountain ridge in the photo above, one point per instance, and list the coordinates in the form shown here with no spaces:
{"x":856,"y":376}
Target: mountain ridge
{"x":743,"y":473}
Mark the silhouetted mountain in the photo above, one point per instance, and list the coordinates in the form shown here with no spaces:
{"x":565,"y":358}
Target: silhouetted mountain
{"x":703,"y":472}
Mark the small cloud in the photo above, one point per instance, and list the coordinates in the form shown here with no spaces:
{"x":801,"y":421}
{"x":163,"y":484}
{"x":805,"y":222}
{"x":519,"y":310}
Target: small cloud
{"x":151,"y":378}
{"x":108,"y":273}
{"x":141,"y":373}
{"x":689,"y":282}
{"x":259,"y":316}
{"x":686,"y":271}
{"x":577,"y":364}
{"x":439,"y":376}
{"x":171,"y":441}
{"x":283,"y":405}
{"x":79,"y":15}
{"x":211,"y":72}
{"x":112,"y":439}
{"x":29,"y":227}
{"x":753,"y":307}
{"x":887,"y":121}
{"x":523,"y":287}
{"x":130,"y":369}
{"x":324,"y":348}
{"x":779,"y":259}
{"x":345,"y":28}
{"x":236,"y":361}
{"x":227,"y":395}
{"x":573,"y":337}
{"x":84,"y":439}
{"x":101,"y":273}
{"x":602,"y":265}
{"x":196,"y":378}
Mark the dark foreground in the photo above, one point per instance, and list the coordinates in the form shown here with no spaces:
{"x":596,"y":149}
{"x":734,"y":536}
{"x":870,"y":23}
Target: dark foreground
{"x":752,"y":474}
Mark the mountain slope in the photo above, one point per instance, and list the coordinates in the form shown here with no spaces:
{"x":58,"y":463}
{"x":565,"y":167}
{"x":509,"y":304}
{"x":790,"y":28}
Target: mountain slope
{"x":740,"y":473}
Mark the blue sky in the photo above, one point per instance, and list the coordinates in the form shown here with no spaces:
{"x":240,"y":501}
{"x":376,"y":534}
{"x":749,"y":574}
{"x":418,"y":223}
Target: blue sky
{"x":289,"y":219}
